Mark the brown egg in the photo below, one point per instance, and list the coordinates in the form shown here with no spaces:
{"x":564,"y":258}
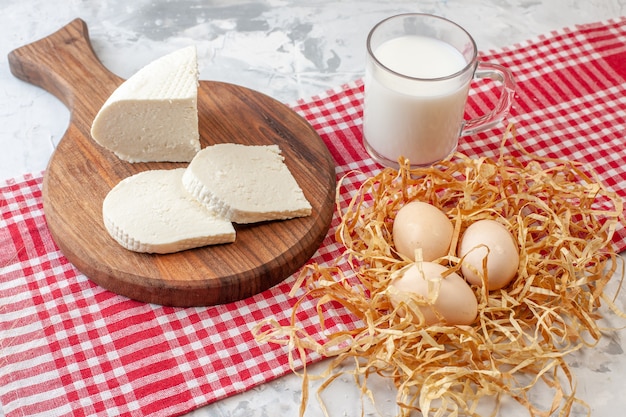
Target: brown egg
{"x":454,"y":300}
{"x":422,"y":225}
{"x":490,"y":239}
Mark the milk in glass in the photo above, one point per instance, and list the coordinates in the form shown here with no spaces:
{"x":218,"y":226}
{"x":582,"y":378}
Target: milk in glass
{"x":414,"y":110}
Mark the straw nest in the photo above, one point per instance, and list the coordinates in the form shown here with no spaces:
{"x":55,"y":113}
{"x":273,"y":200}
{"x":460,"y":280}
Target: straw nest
{"x":564,"y":221}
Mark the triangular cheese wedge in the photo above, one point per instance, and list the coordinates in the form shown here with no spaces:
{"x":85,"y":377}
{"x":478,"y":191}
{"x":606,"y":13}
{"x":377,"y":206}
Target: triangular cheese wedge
{"x":153,"y":116}
{"x":152,"y":212}
{"x":245,"y":184}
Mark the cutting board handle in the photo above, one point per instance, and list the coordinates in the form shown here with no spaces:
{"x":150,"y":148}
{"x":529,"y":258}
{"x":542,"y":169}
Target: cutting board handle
{"x":65,"y":64}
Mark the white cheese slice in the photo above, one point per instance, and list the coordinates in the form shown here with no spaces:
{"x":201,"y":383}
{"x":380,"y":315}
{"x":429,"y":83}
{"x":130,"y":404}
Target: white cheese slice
{"x":153,"y":116}
{"x":245,"y":184}
{"x":152,"y":212}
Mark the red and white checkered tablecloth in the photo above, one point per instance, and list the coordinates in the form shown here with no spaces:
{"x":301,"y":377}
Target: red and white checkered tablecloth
{"x":69,"y":347}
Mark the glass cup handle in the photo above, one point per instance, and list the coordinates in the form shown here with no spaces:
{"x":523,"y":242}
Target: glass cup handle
{"x":505,"y":77}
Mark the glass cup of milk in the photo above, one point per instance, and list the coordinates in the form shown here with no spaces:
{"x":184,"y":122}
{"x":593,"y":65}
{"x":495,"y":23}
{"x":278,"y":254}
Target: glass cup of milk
{"x":417,"y":79}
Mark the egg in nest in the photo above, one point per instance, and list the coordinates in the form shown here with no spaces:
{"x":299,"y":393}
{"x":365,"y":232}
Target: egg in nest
{"x":420,"y":225}
{"x":444,"y":296}
{"x":488,"y":252}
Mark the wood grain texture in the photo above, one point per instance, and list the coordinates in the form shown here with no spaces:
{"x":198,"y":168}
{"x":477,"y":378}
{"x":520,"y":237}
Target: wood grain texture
{"x":80,"y":174}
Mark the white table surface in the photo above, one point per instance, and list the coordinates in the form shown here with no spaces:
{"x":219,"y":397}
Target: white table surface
{"x":289,"y":50}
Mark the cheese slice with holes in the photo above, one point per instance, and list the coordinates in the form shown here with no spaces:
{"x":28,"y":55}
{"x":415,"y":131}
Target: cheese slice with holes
{"x":152,"y":212}
{"x":245,"y":184}
{"x":153,"y":116}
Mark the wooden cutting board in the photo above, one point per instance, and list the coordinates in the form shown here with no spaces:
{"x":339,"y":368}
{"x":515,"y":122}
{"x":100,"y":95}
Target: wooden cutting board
{"x":80,"y":174}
